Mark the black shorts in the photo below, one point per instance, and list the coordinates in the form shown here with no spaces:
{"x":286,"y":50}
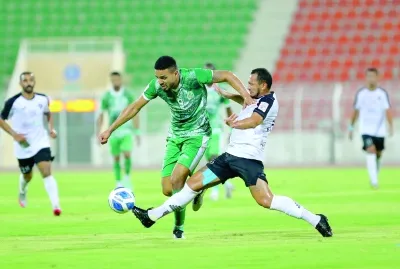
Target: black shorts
{"x":227,"y":166}
{"x":43,"y":155}
{"x":369,"y":140}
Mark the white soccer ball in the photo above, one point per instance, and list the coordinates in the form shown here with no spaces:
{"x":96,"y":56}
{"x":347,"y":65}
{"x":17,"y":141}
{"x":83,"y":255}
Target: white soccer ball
{"x":121,"y":200}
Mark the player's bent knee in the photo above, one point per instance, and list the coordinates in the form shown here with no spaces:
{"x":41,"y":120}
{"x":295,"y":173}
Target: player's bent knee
{"x":167,"y":192}
{"x":166,"y":186}
{"x":264,"y":202}
{"x":371,"y":150}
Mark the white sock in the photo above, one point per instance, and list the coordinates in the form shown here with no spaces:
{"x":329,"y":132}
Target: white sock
{"x":289,"y":207}
{"x":378,"y":164}
{"x":228,"y":185}
{"x":50,"y":185}
{"x":127,"y":182}
{"x":372,"y":168}
{"x":22,"y":184}
{"x":175,"y":202}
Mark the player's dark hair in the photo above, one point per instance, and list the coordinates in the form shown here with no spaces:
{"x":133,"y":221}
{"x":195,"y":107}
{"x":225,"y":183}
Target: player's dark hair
{"x":165,"y":62}
{"x":209,"y":65}
{"x":24,"y":74}
{"x":263,"y":76}
{"x":115,"y":73}
{"x":372,"y":69}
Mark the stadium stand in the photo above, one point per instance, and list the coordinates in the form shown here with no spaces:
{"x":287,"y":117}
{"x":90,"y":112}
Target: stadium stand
{"x":335,"y":40}
{"x":148,"y":28}
{"x":332,"y":41}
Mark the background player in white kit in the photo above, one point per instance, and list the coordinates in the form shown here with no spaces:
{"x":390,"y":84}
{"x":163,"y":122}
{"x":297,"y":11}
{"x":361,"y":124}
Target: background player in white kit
{"x":26,"y":112}
{"x":243,"y":158}
{"x":214,"y":103}
{"x":372,"y":106}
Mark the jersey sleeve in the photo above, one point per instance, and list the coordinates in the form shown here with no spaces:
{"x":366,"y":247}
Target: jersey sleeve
{"x":104,"y":103}
{"x":150,"y":92}
{"x":203,"y":76}
{"x":5,"y":112}
{"x":264,"y":105}
{"x":386,"y":101}
{"x":46,"y":109}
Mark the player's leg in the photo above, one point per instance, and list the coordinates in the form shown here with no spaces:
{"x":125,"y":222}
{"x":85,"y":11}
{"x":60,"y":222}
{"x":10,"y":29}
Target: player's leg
{"x":171,"y":157}
{"x":264,"y":197}
{"x":371,"y":159}
{"x":252,"y":172}
{"x":379,"y":146}
{"x":126,"y":148}
{"x":171,"y":172}
{"x":43,"y":161}
{"x":214,"y":173}
{"x":201,"y":180}
{"x":115,"y":151}
{"x":25,"y":166}
{"x":193,"y":149}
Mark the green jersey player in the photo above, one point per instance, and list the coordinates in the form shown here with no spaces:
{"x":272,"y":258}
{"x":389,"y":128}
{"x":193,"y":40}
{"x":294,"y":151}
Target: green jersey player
{"x":113,"y":103}
{"x":185,"y":93}
{"x":214,"y":103}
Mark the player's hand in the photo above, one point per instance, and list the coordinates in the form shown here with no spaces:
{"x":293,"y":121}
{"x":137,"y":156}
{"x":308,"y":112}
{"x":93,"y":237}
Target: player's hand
{"x":103,"y":137}
{"x":220,"y":91}
{"x":21,"y":139}
{"x":53,"y":134}
{"x":351,"y":135}
{"x":248,"y":101}
{"x":229,"y":121}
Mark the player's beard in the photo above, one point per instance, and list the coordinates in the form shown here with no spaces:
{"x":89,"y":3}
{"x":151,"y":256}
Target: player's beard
{"x":28,"y":89}
{"x":117,"y":88}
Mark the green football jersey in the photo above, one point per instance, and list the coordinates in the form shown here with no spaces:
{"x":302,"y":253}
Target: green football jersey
{"x":187,"y":103}
{"x":214,"y":104}
{"x":113,"y":103}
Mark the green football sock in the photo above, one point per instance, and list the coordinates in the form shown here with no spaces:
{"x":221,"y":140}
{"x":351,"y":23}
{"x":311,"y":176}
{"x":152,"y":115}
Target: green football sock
{"x":117,"y":171}
{"x":128,"y":165}
{"x":179,"y":216}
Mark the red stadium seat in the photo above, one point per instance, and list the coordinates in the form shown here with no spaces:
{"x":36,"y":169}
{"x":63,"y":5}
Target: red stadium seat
{"x":332,"y":40}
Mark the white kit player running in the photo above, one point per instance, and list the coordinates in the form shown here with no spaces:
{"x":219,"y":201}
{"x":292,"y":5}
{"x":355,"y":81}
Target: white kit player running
{"x":26,"y":112}
{"x":372,"y":106}
{"x":243,"y":158}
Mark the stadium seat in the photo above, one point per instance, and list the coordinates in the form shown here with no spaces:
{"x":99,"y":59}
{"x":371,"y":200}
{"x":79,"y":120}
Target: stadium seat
{"x":345,"y":29}
{"x":147,"y":28}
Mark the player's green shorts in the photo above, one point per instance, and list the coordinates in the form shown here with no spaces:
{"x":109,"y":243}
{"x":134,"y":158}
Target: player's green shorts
{"x":186,"y":151}
{"x":214,"y":146}
{"x":121,"y":144}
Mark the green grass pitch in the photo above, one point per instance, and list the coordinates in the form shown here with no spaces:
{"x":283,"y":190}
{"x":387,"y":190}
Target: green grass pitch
{"x":234,"y":233}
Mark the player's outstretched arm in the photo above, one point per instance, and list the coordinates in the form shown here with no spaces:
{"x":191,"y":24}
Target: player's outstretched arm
{"x":234,"y":82}
{"x":128,"y":113}
{"x":248,"y":123}
{"x":231,"y":96}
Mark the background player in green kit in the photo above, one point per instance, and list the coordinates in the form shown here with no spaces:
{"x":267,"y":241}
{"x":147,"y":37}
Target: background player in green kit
{"x":214,"y":103}
{"x":113,"y":103}
{"x":185,"y":93}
